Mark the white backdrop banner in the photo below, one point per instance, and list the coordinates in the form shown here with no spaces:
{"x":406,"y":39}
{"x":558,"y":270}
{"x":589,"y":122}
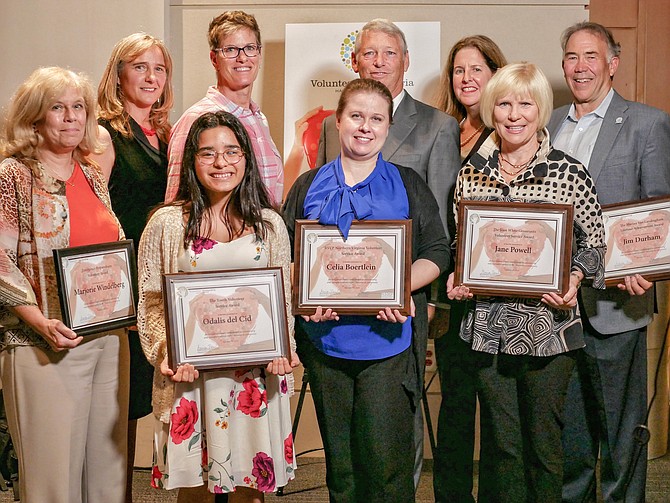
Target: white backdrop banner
{"x":318,"y":66}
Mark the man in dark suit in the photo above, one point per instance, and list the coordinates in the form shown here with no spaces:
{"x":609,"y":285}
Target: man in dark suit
{"x":626,"y":148}
{"x":421,"y":137}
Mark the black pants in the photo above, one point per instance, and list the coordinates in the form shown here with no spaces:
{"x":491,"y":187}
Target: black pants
{"x":453,"y":463}
{"x":366,"y":421}
{"x":521,"y":404}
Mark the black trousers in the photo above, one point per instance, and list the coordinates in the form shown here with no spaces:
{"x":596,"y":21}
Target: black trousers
{"x":366,"y":421}
{"x":453,"y":463}
{"x":521,"y":405}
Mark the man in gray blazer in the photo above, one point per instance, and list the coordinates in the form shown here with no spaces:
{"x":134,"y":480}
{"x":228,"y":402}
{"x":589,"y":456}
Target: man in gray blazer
{"x":421,"y":137}
{"x":626,"y":148}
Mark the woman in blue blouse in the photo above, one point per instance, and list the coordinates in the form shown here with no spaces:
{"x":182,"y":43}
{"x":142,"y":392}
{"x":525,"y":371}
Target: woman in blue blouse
{"x":364,"y":370}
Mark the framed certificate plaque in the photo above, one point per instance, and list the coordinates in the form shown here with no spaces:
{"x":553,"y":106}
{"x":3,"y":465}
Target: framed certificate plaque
{"x":362,"y":275}
{"x":96,"y":286}
{"x":637,"y":240}
{"x":514,"y":249}
{"x":225,"y":319}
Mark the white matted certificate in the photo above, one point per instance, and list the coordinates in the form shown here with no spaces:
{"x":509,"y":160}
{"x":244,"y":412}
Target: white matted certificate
{"x":638,"y":240}
{"x":363,"y":274}
{"x":96,"y":286}
{"x":514,"y":249}
{"x":224,"y":319}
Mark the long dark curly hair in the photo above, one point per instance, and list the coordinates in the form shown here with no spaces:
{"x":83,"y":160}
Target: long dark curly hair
{"x":248,"y":199}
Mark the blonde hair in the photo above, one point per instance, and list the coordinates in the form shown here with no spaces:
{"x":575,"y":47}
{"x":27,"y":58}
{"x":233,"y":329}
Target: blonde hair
{"x":229,"y":22}
{"x":110,"y":95}
{"x":494,"y":58}
{"x":30,"y":105}
{"x":518,"y":79}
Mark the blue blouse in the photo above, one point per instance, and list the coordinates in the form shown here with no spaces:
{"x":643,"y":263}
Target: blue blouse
{"x":381,"y":196}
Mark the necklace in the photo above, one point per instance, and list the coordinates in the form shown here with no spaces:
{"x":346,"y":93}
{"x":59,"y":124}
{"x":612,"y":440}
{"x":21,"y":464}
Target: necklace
{"x":55,"y":175}
{"x":148,"y":131}
{"x":469,"y":138}
{"x":519,"y":167}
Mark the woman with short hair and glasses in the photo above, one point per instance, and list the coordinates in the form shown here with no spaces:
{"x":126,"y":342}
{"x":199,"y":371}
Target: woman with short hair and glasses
{"x":222,"y":431}
{"x":234,"y":45}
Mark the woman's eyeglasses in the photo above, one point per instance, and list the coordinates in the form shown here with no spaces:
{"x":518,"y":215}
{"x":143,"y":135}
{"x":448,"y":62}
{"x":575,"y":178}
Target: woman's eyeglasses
{"x":208,"y":156}
{"x":232,"y":52}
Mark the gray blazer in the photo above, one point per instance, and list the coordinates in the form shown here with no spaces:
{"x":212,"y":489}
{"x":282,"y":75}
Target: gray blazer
{"x":630,"y":161}
{"x":422,"y":138}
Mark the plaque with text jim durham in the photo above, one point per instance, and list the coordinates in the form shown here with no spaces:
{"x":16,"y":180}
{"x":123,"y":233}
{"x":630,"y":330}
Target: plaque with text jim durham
{"x":514,"y":249}
{"x":362,"y":275}
{"x":637,"y":240}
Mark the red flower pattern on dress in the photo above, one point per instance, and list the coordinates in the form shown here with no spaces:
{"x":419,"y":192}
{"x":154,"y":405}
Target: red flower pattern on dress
{"x":182,"y":422}
{"x":251,"y":399}
{"x":264,"y":471}
{"x":288,"y":449}
{"x":201,"y":244}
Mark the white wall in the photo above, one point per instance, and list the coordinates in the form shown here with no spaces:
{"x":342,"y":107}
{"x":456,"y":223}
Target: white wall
{"x":80,"y":34}
{"x":525,"y":30}
{"x":76,"y":34}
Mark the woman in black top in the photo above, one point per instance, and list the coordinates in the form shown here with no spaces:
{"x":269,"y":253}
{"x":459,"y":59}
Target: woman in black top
{"x":135,"y":98}
{"x":471,"y":63}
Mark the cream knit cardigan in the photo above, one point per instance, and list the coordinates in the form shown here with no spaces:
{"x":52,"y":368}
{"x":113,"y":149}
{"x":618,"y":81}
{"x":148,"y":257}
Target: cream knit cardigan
{"x":159,"y":248}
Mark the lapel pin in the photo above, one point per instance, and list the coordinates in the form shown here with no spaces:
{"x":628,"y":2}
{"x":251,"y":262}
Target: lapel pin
{"x":618,"y":120}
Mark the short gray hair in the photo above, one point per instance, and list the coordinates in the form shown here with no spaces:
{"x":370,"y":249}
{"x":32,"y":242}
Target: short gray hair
{"x":385,"y":26}
{"x":613,"y":47}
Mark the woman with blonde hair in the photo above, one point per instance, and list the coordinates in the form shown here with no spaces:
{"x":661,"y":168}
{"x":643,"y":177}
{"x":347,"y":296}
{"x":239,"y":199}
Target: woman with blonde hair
{"x":66,"y":395}
{"x":525,"y":346}
{"x":135,"y":97}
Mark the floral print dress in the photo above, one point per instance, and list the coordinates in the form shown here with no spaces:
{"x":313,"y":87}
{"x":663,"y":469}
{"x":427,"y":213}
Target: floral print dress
{"x":228,"y":428}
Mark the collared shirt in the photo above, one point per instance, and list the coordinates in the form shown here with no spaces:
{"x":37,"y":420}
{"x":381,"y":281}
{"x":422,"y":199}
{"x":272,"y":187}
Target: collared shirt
{"x":267,"y":156}
{"x":577,"y":137}
{"x":397,"y":100}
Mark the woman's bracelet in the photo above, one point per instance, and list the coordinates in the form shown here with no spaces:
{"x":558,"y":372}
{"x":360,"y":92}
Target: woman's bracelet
{"x":579,"y":278}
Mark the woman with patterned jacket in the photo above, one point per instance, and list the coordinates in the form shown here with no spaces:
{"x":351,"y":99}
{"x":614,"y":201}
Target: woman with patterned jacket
{"x":66,"y":395}
{"x":524,"y":345}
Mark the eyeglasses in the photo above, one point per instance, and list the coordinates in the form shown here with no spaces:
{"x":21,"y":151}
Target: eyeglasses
{"x":208,"y":156}
{"x":232,"y":52}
